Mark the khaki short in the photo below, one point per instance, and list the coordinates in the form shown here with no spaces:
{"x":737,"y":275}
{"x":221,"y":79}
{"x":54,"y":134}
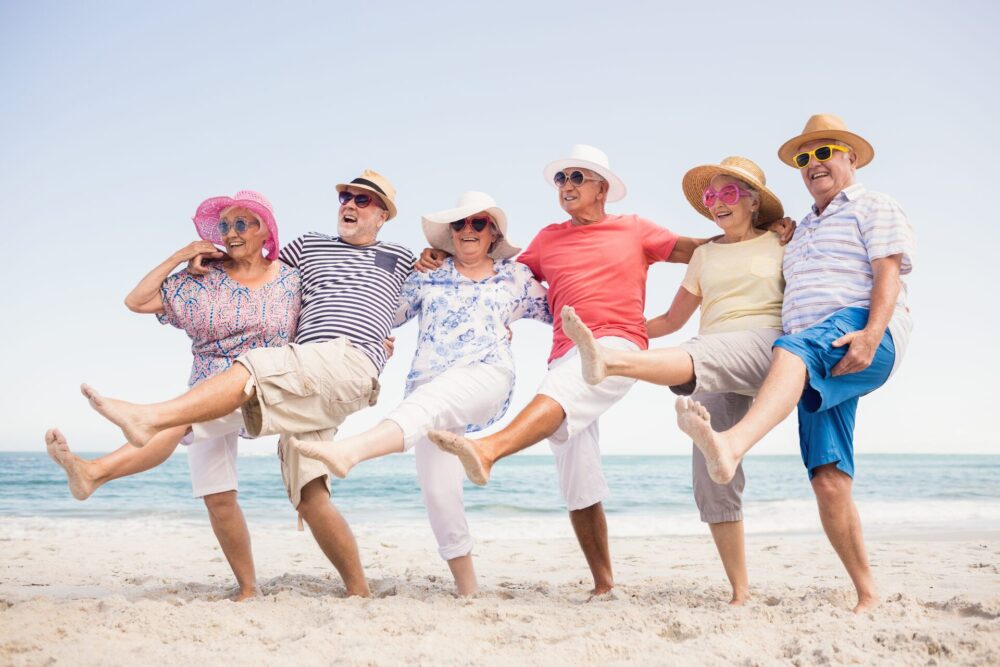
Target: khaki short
{"x":306,"y":391}
{"x":735,"y":361}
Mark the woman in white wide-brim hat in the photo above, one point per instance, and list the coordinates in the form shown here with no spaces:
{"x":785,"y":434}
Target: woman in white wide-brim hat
{"x":462,"y":375}
{"x":737,"y":282}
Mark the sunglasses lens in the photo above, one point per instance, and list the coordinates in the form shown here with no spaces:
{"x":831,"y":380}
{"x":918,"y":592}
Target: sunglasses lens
{"x":708,"y":197}
{"x":458,"y":225}
{"x":362,"y":200}
{"x":802,"y":159}
{"x":479,"y":224}
{"x":823,"y":153}
{"x":729,"y":195}
{"x":223,"y":228}
{"x":345,"y":197}
{"x":576,"y":178}
{"x":559,"y":179}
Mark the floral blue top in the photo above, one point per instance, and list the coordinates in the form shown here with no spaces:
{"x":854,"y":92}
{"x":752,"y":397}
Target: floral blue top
{"x":463,"y":321}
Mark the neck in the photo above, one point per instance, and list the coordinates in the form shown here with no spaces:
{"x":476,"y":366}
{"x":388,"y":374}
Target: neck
{"x":473,"y":267}
{"x":589,"y":216}
{"x":248,"y":266}
{"x":824,"y":201}
{"x":744,"y":233}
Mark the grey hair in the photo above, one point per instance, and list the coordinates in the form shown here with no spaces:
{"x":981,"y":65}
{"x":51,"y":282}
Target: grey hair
{"x":754,"y":197}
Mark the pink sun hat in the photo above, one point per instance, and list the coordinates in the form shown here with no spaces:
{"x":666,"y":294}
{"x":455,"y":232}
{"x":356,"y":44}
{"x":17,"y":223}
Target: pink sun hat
{"x":206,"y":218}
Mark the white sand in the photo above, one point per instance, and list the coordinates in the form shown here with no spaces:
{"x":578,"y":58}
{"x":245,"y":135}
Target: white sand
{"x":127,"y":593}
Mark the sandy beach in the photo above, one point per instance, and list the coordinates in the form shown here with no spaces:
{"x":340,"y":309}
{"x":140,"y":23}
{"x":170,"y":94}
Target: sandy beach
{"x":135,"y":592}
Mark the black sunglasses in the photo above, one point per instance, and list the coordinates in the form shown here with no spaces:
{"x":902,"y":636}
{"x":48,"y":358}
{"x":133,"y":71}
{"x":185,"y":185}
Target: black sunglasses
{"x":361,"y":201}
{"x":479,"y":224}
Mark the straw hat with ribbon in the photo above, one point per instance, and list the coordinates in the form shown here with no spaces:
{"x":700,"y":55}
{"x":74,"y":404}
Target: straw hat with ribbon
{"x":697,"y":179}
{"x":438,"y":233}
{"x":378,"y":185}
{"x":594,"y":159}
{"x":826,"y":126}
{"x":206,"y":217}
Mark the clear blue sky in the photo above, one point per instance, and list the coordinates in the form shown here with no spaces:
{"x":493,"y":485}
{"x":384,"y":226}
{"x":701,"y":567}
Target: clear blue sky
{"x":117,"y":118}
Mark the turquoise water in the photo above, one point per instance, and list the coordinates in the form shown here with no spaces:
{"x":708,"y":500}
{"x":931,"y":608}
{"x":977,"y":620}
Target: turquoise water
{"x":650,"y":495}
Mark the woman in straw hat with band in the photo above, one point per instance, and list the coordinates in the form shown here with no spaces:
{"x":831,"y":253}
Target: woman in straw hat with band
{"x":736,"y":280}
{"x":462,"y":375}
{"x":248,"y":300}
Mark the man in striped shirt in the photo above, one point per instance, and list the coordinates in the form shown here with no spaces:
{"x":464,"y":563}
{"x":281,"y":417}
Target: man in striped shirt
{"x":350,"y":287}
{"x":846,"y":323}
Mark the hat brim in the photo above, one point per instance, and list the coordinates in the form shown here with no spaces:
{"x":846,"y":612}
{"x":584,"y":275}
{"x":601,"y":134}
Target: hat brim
{"x":697,"y":179}
{"x":862,"y":148}
{"x":382,"y":198}
{"x":206,"y":221}
{"x":616,"y":188}
{"x":438,"y":233}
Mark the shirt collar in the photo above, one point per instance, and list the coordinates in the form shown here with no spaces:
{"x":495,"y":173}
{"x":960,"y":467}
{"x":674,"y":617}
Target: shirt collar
{"x":852,"y":192}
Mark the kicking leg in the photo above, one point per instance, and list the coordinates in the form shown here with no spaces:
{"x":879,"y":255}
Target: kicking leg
{"x":340,"y":456}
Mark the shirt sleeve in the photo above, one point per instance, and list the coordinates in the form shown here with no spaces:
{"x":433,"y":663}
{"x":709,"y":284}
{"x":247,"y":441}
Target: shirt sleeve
{"x":886,"y":231}
{"x":532,"y":299}
{"x":409,"y":299}
{"x":291,"y":253}
{"x":692,"y":278}
{"x":657,"y":242}
{"x":531,"y":258}
{"x":168,"y":290}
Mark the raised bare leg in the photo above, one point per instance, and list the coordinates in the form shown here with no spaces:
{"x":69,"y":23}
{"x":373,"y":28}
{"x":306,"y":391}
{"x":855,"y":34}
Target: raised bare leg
{"x":842,"y":524}
{"x":591,"y":528}
{"x":333,"y":536}
{"x":211,"y":399}
{"x":537,"y":421}
{"x":464,"y":573}
{"x":729,"y":541}
{"x":340,"y":456}
{"x":230,"y":528}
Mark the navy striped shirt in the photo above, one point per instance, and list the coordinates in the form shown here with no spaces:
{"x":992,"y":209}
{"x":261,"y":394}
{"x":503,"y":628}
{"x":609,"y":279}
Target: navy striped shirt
{"x":348,"y":291}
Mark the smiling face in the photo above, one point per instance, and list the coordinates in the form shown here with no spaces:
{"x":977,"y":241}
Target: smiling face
{"x":588,"y":196}
{"x":736,"y":218}
{"x":825,"y":179}
{"x":359,"y":226}
{"x":241,"y":246}
{"x":470,"y":245}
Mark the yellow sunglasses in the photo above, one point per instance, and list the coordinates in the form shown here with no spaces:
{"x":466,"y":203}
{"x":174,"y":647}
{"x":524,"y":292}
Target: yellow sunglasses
{"x":822,"y":153}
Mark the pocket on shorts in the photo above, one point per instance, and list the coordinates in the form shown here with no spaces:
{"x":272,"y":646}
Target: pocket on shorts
{"x":278,"y":384}
{"x":765,"y":267}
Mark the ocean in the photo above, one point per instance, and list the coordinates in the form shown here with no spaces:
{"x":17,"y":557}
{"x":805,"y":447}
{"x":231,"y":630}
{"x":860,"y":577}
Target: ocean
{"x":651,"y":495}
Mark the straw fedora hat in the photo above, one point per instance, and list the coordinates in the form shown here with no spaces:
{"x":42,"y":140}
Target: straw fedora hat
{"x":438,"y":232}
{"x":377,"y":184}
{"x":594,"y":159}
{"x":696,"y":180}
{"x":826,"y":126}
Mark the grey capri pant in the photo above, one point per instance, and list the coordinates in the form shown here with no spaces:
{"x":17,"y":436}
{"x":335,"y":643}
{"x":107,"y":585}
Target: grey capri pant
{"x":719,"y":502}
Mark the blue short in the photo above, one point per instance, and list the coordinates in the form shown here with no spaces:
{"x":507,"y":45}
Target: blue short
{"x":829,"y":404}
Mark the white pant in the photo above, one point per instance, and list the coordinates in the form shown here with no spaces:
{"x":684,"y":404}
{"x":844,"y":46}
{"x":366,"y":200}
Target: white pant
{"x":449,"y":402}
{"x":211,"y":453}
{"x":576,"y":442}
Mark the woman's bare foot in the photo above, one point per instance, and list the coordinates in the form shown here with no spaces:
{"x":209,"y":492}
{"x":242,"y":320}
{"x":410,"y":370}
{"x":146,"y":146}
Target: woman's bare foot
{"x":329,"y":453}
{"x":693,"y":419}
{"x":477,"y":469}
{"x":126,"y":416}
{"x":243,"y":596}
{"x":591,"y":355}
{"x":866,"y":603}
{"x":81,"y":483}
{"x":739,"y":598}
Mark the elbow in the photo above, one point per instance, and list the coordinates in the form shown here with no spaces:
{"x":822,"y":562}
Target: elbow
{"x":132,"y":305}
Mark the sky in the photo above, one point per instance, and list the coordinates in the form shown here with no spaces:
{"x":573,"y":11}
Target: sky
{"x":118,"y":118}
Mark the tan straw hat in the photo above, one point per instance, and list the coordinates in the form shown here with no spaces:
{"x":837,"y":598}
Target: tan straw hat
{"x":826,"y":126}
{"x":377,"y":184}
{"x":438,"y":232}
{"x":697,"y":179}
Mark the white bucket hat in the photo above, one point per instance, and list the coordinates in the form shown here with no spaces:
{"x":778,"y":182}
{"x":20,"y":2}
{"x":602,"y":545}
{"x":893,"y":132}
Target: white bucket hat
{"x":590,"y":158}
{"x":438,"y":233}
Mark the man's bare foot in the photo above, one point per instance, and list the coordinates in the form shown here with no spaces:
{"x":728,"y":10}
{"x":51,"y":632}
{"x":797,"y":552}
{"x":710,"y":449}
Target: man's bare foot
{"x":476,"y":468}
{"x":865,"y":603}
{"x":693,"y":419}
{"x":126,"y":416}
{"x":328,"y":453}
{"x":81,"y":484}
{"x":243,"y":596}
{"x":739,"y":599}
{"x":591,"y":356}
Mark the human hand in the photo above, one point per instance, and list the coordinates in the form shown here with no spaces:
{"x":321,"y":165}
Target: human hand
{"x":390,"y":346}
{"x":430,"y":259}
{"x":860,"y":352}
{"x":197,"y":254}
{"x":784,"y":228}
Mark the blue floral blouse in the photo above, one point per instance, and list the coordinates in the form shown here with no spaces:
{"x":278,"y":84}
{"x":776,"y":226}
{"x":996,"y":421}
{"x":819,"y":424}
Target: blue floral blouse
{"x":464,"y":321}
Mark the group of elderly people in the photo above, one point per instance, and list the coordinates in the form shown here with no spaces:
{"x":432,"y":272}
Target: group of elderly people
{"x":291,"y":340}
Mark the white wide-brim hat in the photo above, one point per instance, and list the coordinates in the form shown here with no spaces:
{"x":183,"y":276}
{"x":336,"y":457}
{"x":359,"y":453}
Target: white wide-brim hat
{"x":590,"y":158}
{"x":438,"y":232}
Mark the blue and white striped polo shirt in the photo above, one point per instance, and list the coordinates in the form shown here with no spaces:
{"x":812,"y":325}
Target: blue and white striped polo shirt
{"x":827,"y":263}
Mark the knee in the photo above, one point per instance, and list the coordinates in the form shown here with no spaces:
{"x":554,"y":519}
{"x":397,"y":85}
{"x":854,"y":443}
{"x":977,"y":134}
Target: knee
{"x":314,"y":498}
{"x":221,"y":506}
{"x":831,"y":484}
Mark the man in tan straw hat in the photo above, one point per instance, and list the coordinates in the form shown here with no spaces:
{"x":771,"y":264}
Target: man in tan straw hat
{"x":350,"y":288}
{"x":846,"y":325}
{"x":572,"y":257}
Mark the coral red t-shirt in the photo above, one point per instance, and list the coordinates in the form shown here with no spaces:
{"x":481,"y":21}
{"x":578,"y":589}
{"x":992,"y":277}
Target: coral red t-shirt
{"x":599,"y":269}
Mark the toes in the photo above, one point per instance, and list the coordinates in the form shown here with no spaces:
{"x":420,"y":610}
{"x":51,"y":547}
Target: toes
{"x":681,"y":405}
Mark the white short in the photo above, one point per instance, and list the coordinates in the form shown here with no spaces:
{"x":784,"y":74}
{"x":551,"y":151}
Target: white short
{"x":212,"y":455}
{"x":576,"y":442}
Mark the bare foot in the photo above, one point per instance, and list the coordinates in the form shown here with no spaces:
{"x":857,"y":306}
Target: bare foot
{"x":865,"y":603}
{"x":476,"y":469}
{"x":328,"y":453}
{"x":693,"y":419}
{"x":243,"y":596}
{"x":126,"y":416}
{"x":591,"y":357}
{"x":81,"y":484}
{"x":739,"y":599}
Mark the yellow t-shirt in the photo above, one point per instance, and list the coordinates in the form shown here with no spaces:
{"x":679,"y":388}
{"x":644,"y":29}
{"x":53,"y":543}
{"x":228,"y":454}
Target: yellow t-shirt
{"x":740,"y":284}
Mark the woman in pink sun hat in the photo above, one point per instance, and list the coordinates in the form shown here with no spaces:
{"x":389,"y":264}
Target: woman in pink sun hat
{"x":246,"y":301}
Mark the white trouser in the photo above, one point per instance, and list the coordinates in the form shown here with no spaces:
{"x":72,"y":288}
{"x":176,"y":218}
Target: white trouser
{"x":211,"y":454}
{"x":451,"y":401}
{"x":576,"y":442}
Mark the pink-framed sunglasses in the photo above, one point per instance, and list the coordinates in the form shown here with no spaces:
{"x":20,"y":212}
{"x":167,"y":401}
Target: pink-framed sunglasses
{"x":728,"y":194}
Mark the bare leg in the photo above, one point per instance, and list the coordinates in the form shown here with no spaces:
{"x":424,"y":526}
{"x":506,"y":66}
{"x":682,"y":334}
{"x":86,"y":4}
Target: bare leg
{"x":211,"y":399}
{"x":776,"y":399}
{"x":729,"y":541}
{"x":591,"y":528}
{"x":85,"y":477}
{"x":333,"y":536}
{"x":537,"y":421}
{"x":666,"y":366}
{"x":384,"y":438}
{"x":464,"y":573}
{"x":843,"y":527}
{"x":230,"y":528}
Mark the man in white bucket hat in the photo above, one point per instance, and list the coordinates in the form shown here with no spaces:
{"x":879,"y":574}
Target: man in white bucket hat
{"x":572,"y":257}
